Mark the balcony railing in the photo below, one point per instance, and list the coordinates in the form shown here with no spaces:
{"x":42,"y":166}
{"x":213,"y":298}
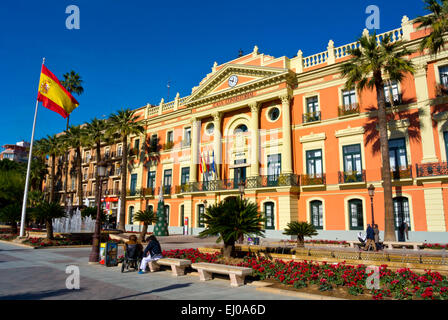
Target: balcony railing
{"x":168,"y":146}
{"x":350,"y":109}
{"x":186,"y":143}
{"x":397,"y":100}
{"x":351,"y":176}
{"x":431,"y":169}
{"x":232,"y":184}
{"x":311,"y":117}
{"x":404,"y":172}
{"x":313,"y":179}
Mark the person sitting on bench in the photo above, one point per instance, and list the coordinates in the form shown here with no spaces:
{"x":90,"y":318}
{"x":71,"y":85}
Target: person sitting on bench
{"x":153,"y":252}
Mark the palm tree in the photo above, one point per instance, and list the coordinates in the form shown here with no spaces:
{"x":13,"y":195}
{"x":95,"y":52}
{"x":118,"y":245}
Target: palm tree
{"x":230,"y":220}
{"x":75,"y":137}
{"x":123,"y":124}
{"x":301,"y":230}
{"x":370,"y":64}
{"x":146,"y":217}
{"x":46,"y":212}
{"x":437,"y":21}
{"x":37,"y":173}
{"x":72,"y":83}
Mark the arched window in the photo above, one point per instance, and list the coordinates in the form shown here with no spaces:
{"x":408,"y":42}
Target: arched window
{"x":240,"y":129}
{"x":401,"y":212}
{"x":131,"y":215}
{"x":317,"y":217}
{"x":269,"y":214}
{"x":355,"y":215}
{"x":167,"y":214}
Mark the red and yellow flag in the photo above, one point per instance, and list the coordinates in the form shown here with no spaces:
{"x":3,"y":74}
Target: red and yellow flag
{"x":53,"y":95}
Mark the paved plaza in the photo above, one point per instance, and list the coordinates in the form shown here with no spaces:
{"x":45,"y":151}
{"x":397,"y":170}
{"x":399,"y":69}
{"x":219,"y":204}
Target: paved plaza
{"x":40,"y":274}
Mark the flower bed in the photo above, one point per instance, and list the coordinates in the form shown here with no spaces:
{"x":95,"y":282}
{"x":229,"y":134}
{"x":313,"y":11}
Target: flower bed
{"x":402,"y":284}
{"x":436,"y":246}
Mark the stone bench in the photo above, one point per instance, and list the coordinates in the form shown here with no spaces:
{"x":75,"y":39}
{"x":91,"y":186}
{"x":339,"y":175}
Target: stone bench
{"x":177,"y":265}
{"x":236,"y":274}
{"x":390,"y":244}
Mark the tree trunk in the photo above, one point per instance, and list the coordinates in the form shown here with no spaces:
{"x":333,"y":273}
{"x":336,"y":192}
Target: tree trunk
{"x":66,"y":177}
{"x":300,"y":241}
{"x":124,"y":172}
{"x":389,"y":228}
{"x":49,"y":227}
{"x":143,"y":233}
{"x":79,"y":174}
{"x":53,"y":177}
{"x":229,"y":249}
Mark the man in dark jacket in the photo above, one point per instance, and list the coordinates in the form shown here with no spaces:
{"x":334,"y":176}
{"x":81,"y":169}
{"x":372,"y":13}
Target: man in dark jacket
{"x":370,"y":238}
{"x":153,"y":252}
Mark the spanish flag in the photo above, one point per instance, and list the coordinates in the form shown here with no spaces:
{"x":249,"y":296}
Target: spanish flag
{"x":53,"y":95}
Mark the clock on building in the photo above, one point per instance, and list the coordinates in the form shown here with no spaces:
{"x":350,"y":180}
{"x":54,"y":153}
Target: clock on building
{"x":233,"y":80}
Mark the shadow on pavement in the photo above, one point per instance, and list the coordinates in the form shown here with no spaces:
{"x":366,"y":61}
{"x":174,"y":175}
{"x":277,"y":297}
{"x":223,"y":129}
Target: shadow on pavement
{"x":37,"y":295}
{"x":171,"y":287}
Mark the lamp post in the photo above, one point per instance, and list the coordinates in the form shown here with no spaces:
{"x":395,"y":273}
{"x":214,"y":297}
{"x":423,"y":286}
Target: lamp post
{"x":371,"y":189}
{"x":95,"y":253}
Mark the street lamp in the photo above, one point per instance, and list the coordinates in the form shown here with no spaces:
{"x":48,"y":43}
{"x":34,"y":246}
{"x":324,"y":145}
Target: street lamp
{"x":371,"y":190}
{"x":95,"y":253}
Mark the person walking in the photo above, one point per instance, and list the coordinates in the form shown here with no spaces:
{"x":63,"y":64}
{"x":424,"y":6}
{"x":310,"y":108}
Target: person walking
{"x":370,"y":239}
{"x":376,"y":233}
{"x":153,"y":252}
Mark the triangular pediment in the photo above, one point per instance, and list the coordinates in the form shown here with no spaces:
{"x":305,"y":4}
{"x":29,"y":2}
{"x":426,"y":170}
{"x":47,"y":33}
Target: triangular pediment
{"x":218,"y":82}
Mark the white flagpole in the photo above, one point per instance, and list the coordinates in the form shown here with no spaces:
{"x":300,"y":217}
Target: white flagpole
{"x":25,"y":195}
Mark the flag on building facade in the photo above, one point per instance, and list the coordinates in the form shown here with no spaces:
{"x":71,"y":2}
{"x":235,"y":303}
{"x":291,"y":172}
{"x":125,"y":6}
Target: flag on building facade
{"x":213,"y":162}
{"x":53,"y":95}
{"x":208,"y":161}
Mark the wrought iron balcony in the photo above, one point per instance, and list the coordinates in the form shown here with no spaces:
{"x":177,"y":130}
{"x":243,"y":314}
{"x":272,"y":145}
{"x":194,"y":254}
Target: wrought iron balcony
{"x":350,"y":109}
{"x":351,"y":176}
{"x":404,"y":172}
{"x":313,"y":179}
{"x":431,"y":169}
{"x":397,"y":99}
{"x":311,"y":117}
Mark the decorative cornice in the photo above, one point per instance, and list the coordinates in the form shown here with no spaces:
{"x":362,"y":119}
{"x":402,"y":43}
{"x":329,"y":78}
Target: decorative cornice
{"x":441,"y":116}
{"x":349,"y":132}
{"x":313,"y":137}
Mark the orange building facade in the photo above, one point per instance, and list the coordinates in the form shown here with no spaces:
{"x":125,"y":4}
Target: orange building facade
{"x":305,"y":148}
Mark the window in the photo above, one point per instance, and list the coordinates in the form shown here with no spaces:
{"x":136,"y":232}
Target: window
{"x":269,"y":214}
{"x":201,"y":211}
{"x":352,"y":163}
{"x":312,"y":104}
{"x":401,"y":212}
{"x":443,"y":73}
{"x":182,"y":215}
{"x":391,"y":88}
{"x":314,"y":166}
{"x":185,"y":176}
{"x":274,"y":114}
{"x":133,"y":185}
{"x":241,"y":129}
{"x":210,"y":128}
{"x":131,"y":215}
{"x":166,"y":208}
{"x":316,"y":211}
{"x":239,"y":174}
{"x":151,"y":183}
{"x":167,"y":179}
{"x":397,"y":154}
{"x":355,"y":216}
{"x":136,"y":144}
{"x":274,"y":168}
{"x":170,"y":137}
{"x":187,"y":136}
{"x":445,"y":137}
{"x":348,"y":97}
{"x":119,"y":151}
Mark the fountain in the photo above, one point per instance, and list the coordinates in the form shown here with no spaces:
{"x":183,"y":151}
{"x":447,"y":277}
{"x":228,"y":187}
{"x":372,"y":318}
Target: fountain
{"x":74,"y":223}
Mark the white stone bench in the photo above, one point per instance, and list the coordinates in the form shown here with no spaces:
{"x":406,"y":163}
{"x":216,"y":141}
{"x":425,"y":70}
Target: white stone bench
{"x":353,"y":242}
{"x":390,"y":244}
{"x":177,"y":265}
{"x":236,"y":274}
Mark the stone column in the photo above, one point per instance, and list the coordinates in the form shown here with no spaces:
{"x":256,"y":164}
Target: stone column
{"x":255,"y":140}
{"x":429,"y":150}
{"x":195,"y":140}
{"x":217,"y":142}
{"x":286,"y":123}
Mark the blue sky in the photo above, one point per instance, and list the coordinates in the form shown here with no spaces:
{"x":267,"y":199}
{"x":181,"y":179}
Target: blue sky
{"x":126,"y":51}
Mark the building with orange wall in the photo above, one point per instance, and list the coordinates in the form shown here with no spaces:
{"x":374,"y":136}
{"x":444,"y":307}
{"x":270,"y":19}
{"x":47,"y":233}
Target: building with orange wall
{"x":305,"y":148}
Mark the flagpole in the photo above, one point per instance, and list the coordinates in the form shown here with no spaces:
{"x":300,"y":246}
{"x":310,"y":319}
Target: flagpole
{"x":25,"y":194}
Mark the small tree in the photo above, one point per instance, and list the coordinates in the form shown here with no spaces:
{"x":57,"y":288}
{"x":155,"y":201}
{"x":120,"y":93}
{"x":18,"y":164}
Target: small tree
{"x":47,"y":211}
{"x":230,"y":219}
{"x":301,"y":230}
{"x":11,"y":214}
{"x":146,"y":217}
